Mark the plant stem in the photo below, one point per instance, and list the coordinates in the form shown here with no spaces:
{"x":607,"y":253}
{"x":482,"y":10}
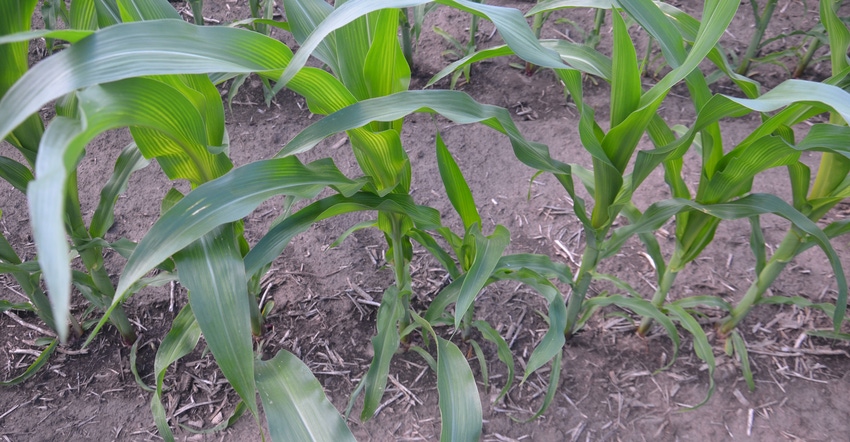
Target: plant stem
{"x":406,"y":44}
{"x":536,"y":27}
{"x":256,"y":315}
{"x":755,"y":42}
{"x":400,"y":269}
{"x":589,"y":261}
{"x":786,"y":251}
{"x":807,"y":58}
{"x":598,"y":21}
{"x":670,"y":273}
{"x":198,"y":11}
{"x":92,"y":258}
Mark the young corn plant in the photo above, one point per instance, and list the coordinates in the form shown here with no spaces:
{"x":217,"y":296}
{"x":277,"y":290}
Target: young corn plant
{"x":131,"y":74}
{"x":87,"y":242}
{"x":461,"y":50}
{"x":726,"y":180}
{"x":726,"y":177}
{"x":830,"y":187}
{"x":762,"y":20}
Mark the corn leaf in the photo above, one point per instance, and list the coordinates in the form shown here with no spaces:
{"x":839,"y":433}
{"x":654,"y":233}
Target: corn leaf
{"x":502,"y":350}
{"x":15,"y":173}
{"x":384,"y":344}
{"x":752,"y":205}
{"x":645,"y":309}
{"x":83,"y":15}
{"x":508,"y":21}
{"x":488,"y":250}
{"x":181,"y":339}
{"x":625,"y":84}
{"x":456,"y":106}
{"x":227,"y":199}
{"x":553,"y":341}
{"x":702,"y":348}
{"x":147,"y":48}
{"x":272,"y":244}
{"x":129,"y":161}
{"x":138,"y":10}
{"x":436,"y":250}
{"x":460,"y":406}
{"x":15,"y":18}
{"x":129,"y":103}
{"x":381,"y":157}
{"x":295,"y":405}
{"x":456,"y":188}
{"x":740,"y":348}
{"x":107,"y":13}
{"x":385,"y":69}
{"x":39,"y":362}
{"x":554,"y":5}
{"x":304,"y":16}
{"x":211,"y":269}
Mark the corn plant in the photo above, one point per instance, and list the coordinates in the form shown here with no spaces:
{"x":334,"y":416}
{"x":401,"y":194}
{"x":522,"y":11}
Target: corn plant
{"x":830,"y":184}
{"x":132,"y":74}
{"x":812,"y":40}
{"x":461,"y":50}
{"x":762,"y":20}
{"x":726,"y":178}
{"x":86,"y":241}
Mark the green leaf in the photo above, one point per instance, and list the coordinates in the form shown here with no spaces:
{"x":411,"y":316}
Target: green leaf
{"x":502,"y":350}
{"x":510,"y":23}
{"x":385,"y":69}
{"x":740,"y":348}
{"x":181,"y":339}
{"x":211,"y":269}
{"x":554,"y":378}
{"x":488,"y":250}
{"x":645,"y":309}
{"x":384,"y":344}
{"x":15,"y":173}
{"x":295,"y":405}
{"x":130,"y":160}
{"x":138,"y":10}
{"x":304,"y":16}
{"x":752,"y":205}
{"x":148,"y":48}
{"x":134,"y":102}
{"x":83,"y":15}
{"x":273,"y":243}
{"x":625,"y":84}
{"x":456,"y":187}
{"x":702,"y":348}
{"x":224,"y":200}
{"x":454,"y":105}
{"x":460,"y":406}
{"x":34,"y":367}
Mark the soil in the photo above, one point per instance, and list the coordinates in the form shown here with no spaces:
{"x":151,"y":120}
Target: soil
{"x":610,"y":387}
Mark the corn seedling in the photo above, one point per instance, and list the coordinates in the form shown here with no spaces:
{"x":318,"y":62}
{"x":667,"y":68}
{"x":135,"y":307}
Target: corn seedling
{"x":461,"y":50}
{"x":726,"y":178}
{"x":762,"y":20}
{"x":541,"y":12}
{"x":86,"y":241}
{"x":830,"y":184}
{"x":131,"y":74}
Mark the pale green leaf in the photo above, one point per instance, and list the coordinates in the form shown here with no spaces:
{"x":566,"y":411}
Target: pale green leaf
{"x":295,"y":405}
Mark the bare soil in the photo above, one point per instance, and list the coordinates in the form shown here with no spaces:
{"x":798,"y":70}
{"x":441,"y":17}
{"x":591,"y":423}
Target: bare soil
{"x":610,"y":388}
